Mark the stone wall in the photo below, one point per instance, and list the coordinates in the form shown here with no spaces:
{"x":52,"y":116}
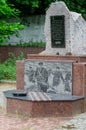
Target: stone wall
{"x":33,"y":31}
{"x":5,"y":50}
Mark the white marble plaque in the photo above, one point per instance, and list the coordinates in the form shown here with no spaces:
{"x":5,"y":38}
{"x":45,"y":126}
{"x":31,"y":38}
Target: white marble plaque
{"x":48,"y":76}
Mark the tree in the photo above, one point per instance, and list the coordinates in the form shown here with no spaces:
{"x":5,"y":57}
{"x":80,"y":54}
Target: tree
{"x":78,"y":6}
{"x":39,"y":6}
{"x":7,"y":28}
{"x":30,"y":7}
{"x":10,"y":8}
{"x":26,"y":6}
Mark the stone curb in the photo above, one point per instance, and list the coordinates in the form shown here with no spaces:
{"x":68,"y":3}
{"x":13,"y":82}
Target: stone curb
{"x":7,"y":81}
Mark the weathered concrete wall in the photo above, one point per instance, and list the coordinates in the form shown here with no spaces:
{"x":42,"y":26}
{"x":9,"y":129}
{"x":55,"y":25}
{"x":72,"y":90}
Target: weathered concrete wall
{"x":34,"y":30}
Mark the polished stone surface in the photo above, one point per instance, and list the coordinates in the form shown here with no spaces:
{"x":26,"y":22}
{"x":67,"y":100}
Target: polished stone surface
{"x":19,"y":93}
{"x":57,"y":31}
{"x":39,"y":96}
{"x":48,"y":76}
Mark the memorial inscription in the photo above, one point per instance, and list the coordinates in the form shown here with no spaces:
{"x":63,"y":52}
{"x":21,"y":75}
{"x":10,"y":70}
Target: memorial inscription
{"x":58,"y":31}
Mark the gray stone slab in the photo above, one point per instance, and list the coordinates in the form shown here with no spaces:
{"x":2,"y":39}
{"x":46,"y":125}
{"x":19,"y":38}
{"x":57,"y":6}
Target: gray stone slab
{"x":39,"y":96}
{"x":48,"y":76}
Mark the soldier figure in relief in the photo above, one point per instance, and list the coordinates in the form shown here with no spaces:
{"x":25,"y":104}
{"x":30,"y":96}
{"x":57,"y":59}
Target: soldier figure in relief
{"x":41,"y":76}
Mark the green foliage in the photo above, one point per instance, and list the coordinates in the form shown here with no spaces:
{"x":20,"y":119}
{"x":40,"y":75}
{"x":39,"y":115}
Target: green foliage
{"x":10,"y":8}
{"x":40,"y":6}
{"x":32,"y":3}
{"x":6,"y":10}
{"x":31,"y":6}
{"x":7,"y":72}
{"x":27,"y":44}
{"x":8,"y":68}
{"x":13,"y":58}
{"x":31,"y":44}
{"x":78,"y":6}
{"x":7,"y":28}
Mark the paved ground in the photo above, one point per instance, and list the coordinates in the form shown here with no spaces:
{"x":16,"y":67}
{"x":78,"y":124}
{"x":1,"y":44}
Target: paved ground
{"x":16,"y":122}
{"x":77,"y":123}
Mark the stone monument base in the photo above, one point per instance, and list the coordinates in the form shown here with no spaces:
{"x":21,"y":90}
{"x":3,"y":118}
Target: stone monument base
{"x":41,"y":104}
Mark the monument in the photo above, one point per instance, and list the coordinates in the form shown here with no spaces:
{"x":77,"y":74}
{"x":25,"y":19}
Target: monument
{"x":48,"y":84}
{"x":65,"y":31}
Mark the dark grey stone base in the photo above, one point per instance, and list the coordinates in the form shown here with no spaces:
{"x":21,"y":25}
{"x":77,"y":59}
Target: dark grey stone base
{"x":40,"y":96}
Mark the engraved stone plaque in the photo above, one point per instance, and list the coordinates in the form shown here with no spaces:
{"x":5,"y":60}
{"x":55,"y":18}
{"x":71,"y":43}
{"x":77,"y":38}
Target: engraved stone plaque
{"x":48,"y":76}
{"x":58,"y":31}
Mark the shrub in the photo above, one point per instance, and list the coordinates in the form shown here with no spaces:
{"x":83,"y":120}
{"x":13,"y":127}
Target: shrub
{"x":7,"y":72}
{"x":8,"y":68}
{"x":26,"y":44}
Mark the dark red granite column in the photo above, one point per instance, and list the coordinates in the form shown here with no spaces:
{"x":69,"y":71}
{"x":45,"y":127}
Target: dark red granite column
{"x":20,"y":74}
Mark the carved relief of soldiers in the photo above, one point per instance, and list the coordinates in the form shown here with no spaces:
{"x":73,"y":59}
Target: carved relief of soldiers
{"x":41,"y":76}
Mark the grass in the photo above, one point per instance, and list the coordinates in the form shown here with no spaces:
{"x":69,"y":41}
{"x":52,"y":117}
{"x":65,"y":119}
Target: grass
{"x":8,"y":68}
